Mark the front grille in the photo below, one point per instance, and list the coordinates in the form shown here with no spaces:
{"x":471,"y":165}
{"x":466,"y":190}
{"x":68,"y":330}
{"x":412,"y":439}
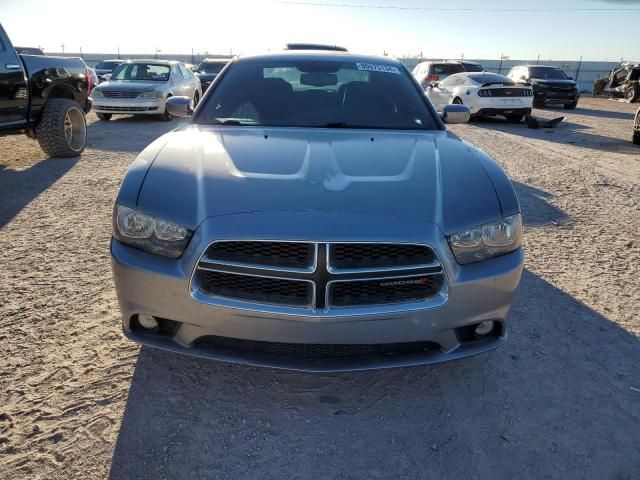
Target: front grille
{"x":119,"y":94}
{"x":323,"y":278}
{"x":313,"y":351}
{"x":269,"y":254}
{"x":354,"y":256}
{"x":256,"y":289}
{"x":382,"y":291}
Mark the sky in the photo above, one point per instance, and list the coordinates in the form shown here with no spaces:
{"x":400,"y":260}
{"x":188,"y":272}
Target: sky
{"x":553,"y":29}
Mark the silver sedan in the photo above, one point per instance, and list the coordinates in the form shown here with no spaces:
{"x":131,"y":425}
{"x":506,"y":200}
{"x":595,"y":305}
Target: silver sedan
{"x":317,"y":215}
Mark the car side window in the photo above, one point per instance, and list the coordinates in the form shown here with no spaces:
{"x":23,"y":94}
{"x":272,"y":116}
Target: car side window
{"x":185,"y":72}
{"x":177,"y":74}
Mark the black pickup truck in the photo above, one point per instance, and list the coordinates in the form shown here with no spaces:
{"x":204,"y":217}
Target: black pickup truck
{"x":44,"y":97}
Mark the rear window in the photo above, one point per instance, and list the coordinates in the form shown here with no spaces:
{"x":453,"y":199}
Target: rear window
{"x":211,"y":67}
{"x":490,"y":78}
{"x":106,"y":65}
{"x":445,"y":68}
{"x":317,"y":93}
{"x":473,"y":67}
{"x":547,"y":72}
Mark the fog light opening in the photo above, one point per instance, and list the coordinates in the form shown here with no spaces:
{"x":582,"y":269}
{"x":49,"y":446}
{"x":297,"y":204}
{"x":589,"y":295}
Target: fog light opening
{"x":484,"y":328}
{"x":147,"y":322}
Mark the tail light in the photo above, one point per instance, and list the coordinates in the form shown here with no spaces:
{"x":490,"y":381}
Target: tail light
{"x":90,"y":84}
{"x":433,"y":78}
{"x":484,"y":93}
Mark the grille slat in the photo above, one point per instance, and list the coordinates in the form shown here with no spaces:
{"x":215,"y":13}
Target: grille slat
{"x":296,"y":275}
{"x":256,"y":289}
{"x":312,"y":351}
{"x":120,"y":94}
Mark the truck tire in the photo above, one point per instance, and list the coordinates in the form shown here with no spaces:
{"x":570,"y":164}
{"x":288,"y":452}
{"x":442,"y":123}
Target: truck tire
{"x":632,"y":93}
{"x":571,"y":106}
{"x":104,"y":116}
{"x":636,"y":137}
{"x":62,"y":131}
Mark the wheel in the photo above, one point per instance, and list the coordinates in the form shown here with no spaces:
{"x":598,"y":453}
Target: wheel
{"x":538,"y":103}
{"x":166,"y":116}
{"x":515,"y":117}
{"x":104,"y":116}
{"x":636,"y":137}
{"x":571,"y":106}
{"x":457,"y":101}
{"x":632,"y":94}
{"x":62,"y":131}
{"x":196,"y":100}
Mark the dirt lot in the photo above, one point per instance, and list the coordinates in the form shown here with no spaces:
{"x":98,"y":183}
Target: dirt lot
{"x":561,"y":400}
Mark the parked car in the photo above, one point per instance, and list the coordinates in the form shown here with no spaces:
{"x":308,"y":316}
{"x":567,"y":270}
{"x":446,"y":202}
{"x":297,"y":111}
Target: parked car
{"x":209,"y":69}
{"x":622,"y":82}
{"x":45,"y":97}
{"x":315,"y":214}
{"x":141,"y":87}
{"x":484,"y":93}
{"x":29,"y":51}
{"x":469,"y":66}
{"x":428,"y":72}
{"x":551,"y":85}
{"x":636,"y":128}
{"x":106,"y":67}
{"x":93,"y":78}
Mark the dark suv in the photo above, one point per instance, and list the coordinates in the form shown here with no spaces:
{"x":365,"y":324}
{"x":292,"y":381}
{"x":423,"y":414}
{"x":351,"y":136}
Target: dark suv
{"x":209,"y":69}
{"x":550,"y":85}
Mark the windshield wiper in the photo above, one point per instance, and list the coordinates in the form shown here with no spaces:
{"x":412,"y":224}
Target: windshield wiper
{"x":215,"y":121}
{"x":346,"y":125}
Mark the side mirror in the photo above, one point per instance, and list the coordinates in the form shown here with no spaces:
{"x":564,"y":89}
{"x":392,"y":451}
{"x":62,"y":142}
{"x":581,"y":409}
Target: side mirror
{"x":180,"y":106}
{"x":452,"y":114}
{"x":570,"y":78}
{"x":106,"y":77}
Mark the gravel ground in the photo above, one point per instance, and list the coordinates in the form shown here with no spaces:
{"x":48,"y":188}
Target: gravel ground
{"x":561,"y":400}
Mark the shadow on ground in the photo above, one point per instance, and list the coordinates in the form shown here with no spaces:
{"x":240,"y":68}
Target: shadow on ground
{"x":536,"y":206}
{"x":556,"y":402}
{"x":128,"y":133}
{"x":19,"y":187}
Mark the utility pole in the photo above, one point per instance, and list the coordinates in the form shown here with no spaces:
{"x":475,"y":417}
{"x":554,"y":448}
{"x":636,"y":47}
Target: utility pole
{"x":538,"y":61}
{"x":62,"y":46}
{"x":81,"y":53}
{"x":118,"y":52}
{"x":578,"y":70}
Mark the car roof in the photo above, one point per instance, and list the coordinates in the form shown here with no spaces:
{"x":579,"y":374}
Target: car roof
{"x":538,"y":66}
{"x":216,"y":60}
{"x":328,"y":55}
{"x":152,"y":60}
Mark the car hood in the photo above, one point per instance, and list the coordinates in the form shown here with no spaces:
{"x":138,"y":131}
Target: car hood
{"x":133,"y":86}
{"x":200,"y":171}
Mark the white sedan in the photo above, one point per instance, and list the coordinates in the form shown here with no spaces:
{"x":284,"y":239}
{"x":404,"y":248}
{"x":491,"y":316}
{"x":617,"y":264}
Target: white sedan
{"x":484,"y":93}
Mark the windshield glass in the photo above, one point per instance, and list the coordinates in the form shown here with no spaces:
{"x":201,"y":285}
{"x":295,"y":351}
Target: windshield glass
{"x":106,"y":65}
{"x":317,"y":93}
{"x":490,"y":78}
{"x":211,"y":67}
{"x":547,"y":72}
{"x":146,"y":72}
{"x":446,"y":68}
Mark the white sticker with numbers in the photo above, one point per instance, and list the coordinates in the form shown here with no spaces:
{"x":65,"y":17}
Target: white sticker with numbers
{"x":377,"y":67}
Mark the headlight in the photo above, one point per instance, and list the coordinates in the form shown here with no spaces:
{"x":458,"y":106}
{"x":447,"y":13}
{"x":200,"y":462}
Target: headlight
{"x":97,"y":93}
{"x":151,"y":94}
{"x":148,"y":233}
{"x":487,"y":241}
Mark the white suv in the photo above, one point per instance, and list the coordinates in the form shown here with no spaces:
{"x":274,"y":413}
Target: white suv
{"x":428,"y":72}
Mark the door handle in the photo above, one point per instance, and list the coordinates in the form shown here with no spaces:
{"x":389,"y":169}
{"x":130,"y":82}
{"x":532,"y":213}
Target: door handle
{"x":12,"y":66}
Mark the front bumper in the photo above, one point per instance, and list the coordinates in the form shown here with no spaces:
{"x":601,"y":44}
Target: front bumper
{"x":559,"y":98}
{"x":152,"y":285}
{"x":128,"y":106}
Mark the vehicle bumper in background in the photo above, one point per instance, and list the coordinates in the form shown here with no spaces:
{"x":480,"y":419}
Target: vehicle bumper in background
{"x":498,"y":105}
{"x":501,"y":111}
{"x":160,"y":287}
{"x":126,"y":106}
{"x":558,"y":98}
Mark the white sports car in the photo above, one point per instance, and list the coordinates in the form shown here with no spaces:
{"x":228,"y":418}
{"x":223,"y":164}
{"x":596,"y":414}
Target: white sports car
{"x":484,"y":93}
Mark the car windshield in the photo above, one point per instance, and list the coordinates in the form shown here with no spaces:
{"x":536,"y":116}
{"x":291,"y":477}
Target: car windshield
{"x":317,"y":93}
{"x":446,"y":68}
{"x":211,"y":67}
{"x":105,"y":65}
{"x":490,"y":78}
{"x":146,"y":72}
{"x":547,"y":72}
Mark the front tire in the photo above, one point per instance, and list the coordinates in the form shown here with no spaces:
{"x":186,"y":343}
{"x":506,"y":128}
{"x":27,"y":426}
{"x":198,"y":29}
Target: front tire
{"x":571,"y":106}
{"x":104,"y":116}
{"x":632,"y":94}
{"x":166,"y":116}
{"x":538,"y":103}
{"x":62,"y":131}
{"x":457,"y":101}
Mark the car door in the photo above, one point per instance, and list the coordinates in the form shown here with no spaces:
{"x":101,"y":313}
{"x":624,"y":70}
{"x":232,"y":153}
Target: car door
{"x":14,"y":94}
{"x":440,"y":92}
{"x":189,"y":84}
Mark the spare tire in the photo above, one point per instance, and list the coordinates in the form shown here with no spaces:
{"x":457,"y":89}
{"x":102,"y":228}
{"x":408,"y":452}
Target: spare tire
{"x":62,"y":131}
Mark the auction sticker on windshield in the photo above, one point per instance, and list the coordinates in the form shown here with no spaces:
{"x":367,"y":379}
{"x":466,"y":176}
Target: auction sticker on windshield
{"x":377,"y":67}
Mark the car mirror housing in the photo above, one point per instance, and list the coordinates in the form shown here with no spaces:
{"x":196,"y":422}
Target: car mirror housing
{"x":180,"y":106}
{"x":453,"y":114}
